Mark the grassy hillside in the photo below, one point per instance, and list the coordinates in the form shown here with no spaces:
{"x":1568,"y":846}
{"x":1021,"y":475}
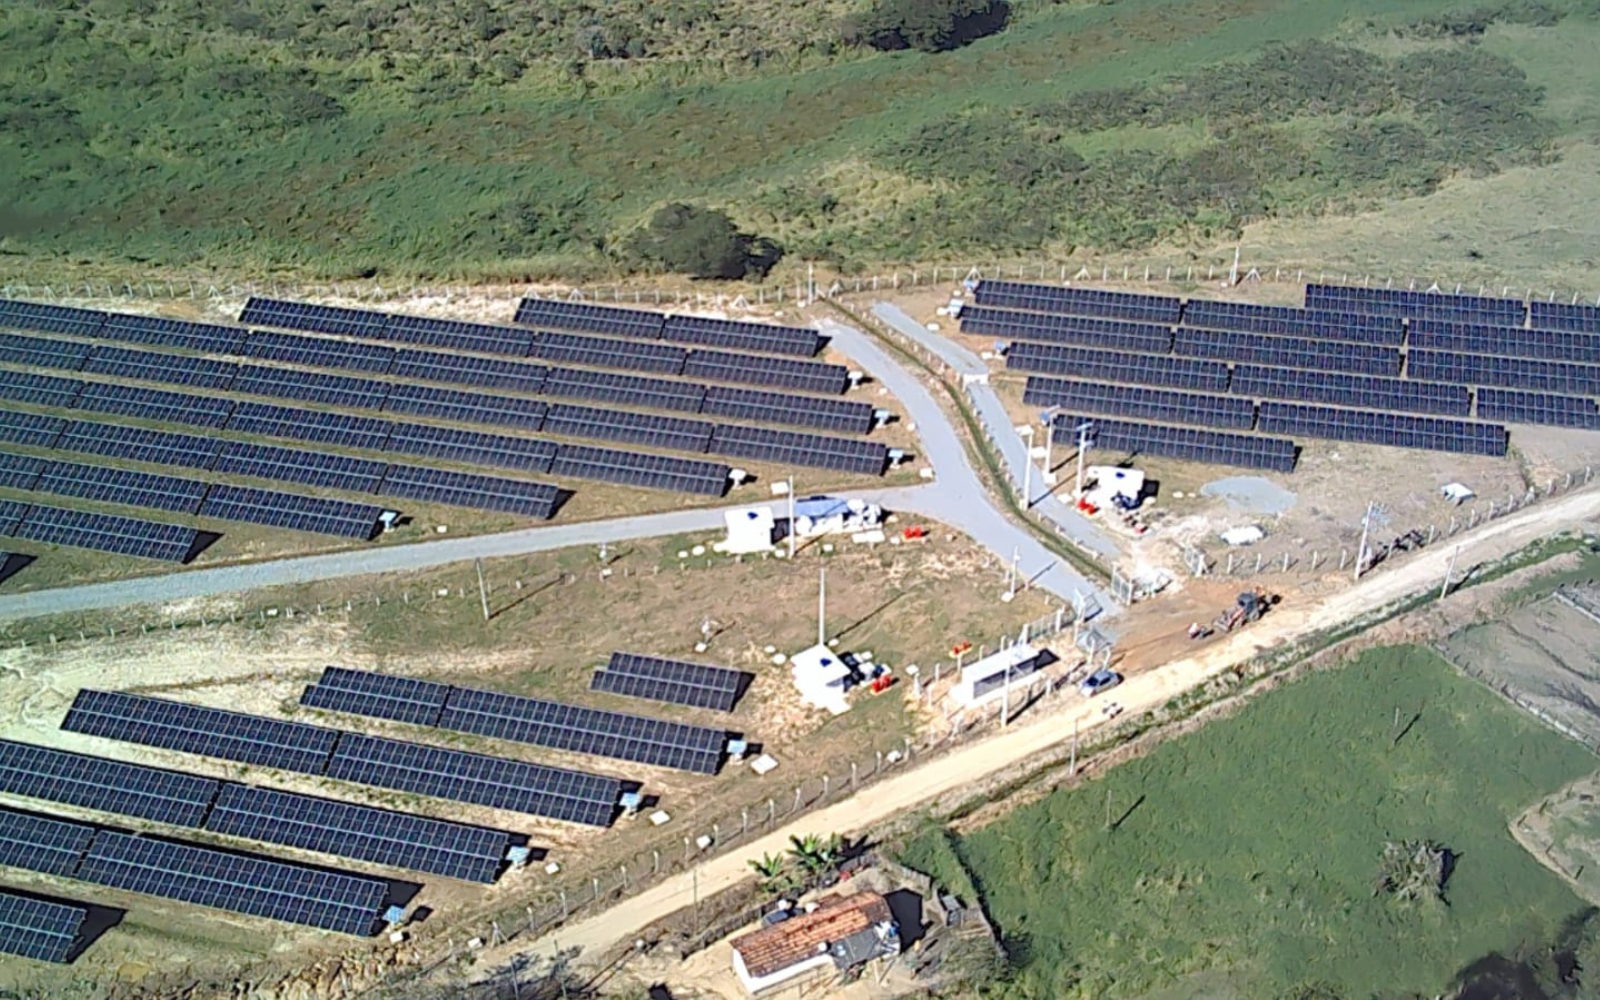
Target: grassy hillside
{"x":492,"y":137}
{"x":1246,"y":853}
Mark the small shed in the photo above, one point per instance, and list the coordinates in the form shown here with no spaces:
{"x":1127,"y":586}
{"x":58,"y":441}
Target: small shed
{"x":839,"y":931}
{"x":821,"y":677}
{"x":750,"y":530}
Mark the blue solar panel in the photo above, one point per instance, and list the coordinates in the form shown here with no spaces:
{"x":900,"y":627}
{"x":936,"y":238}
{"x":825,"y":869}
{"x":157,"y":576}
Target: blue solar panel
{"x":39,"y":390}
{"x":153,"y":366}
{"x":661,"y":472}
{"x":1081,"y":331}
{"x":319,"y":352}
{"x":454,"y":444}
{"x":1118,"y":366}
{"x":1511,"y":342}
{"x":320,"y":319}
{"x":312,"y":387}
{"x":1287,"y":352}
{"x":642,"y":391}
{"x":550,"y":314}
{"x":486,"y":373}
{"x":1573,"y":318}
{"x":108,"y":533}
{"x":1401,"y":430}
{"x":1287,"y":321}
{"x":1513,"y":407}
{"x":154,"y":404}
{"x":608,"y":352}
{"x":319,"y":426}
{"x":1417,"y":305}
{"x":1141,"y":403}
{"x":32,"y":429}
{"x":1191,"y":444}
{"x":671,"y":433}
{"x":139,"y":444}
{"x":41,"y":352}
{"x":445,"y":403}
{"x":1345,"y":389}
{"x":293,"y":465}
{"x":16,"y":315}
{"x":323,"y":516}
{"x":465,"y":489}
{"x":124,"y":486}
{"x":1079,"y":301}
{"x":737,"y":335}
{"x":1509,"y":373}
{"x":159,"y":331}
{"x":458,"y":335}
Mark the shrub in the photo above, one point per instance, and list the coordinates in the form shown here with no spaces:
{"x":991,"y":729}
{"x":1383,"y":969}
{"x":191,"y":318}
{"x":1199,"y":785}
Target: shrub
{"x":703,"y":243}
{"x":925,"y":25}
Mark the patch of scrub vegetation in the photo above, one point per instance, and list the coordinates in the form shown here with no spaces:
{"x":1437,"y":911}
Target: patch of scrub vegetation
{"x":1255,"y":849}
{"x":488,"y":138}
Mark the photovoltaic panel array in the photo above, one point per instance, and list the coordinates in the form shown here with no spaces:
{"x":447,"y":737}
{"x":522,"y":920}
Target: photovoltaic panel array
{"x":455,"y":444}
{"x":154,"y":404}
{"x":1401,"y":430}
{"x":39,"y":390}
{"x":779,"y":373}
{"x":297,"y":894}
{"x":1573,"y":318}
{"x":625,"y":390}
{"x":1079,"y":301}
{"x":846,"y":415}
{"x":295,"y":465}
{"x":158,"y":331}
{"x":1188,"y":443}
{"x":319,"y":352}
{"x":672,"y":681}
{"x":108,"y":533}
{"x":552,"y":314}
{"x":457,"y":335}
{"x":465,"y":489}
{"x":484,"y":373}
{"x":1287,"y":352}
{"x":535,"y":789}
{"x":1344,"y":389}
{"x":213,"y":732}
{"x":11,"y":514}
{"x":1512,"y":342}
{"x":125,"y":486}
{"x":1291,"y":322}
{"x":138,"y":444}
{"x":682,"y":475}
{"x":320,"y":515}
{"x":445,"y":403}
{"x":50,"y":319}
{"x":609,"y":352}
{"x":383,"y":696}
{"x":1081,"y":331}
{"x":585,"y":730}
{"x":39,"y":929}
{"x":20,"y":472}
{"x":817,"y":451}
{"x":1141,"y":403}
{"x":400,"y":840}
{"x":736,"y":335}
{"x":318,"y":426}
{"x":31,"y":429}
{"x":318,"y":319}
{"x":673,"y":433}
{"x":106,"y":785}
{"x":41,"y":352}
{"x":152,"y":366}
{"x":1507,"y":373}
{"x":41,"y":844}
{"x":1416,"y":305}
{"x":312,"y":387}
{"x":1119,"y":366}
{"x":1514,"y":407}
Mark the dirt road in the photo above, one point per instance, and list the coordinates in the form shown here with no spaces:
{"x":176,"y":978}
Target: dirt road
{"x":970,"y":765}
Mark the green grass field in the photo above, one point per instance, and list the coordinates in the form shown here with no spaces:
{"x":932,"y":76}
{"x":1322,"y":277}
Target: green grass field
{"x":484,"y":139}
{"x":1242,"y":857}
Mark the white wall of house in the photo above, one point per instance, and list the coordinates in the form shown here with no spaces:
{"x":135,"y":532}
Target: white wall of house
{"x":756,"y":985}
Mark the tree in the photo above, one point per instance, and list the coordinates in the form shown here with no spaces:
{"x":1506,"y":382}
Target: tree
{"x":704,"y":243}
{"x":925,"y":25}
{"x":774,"y":872}
{"x":1415,"y":869}
{"x":815,"y":854}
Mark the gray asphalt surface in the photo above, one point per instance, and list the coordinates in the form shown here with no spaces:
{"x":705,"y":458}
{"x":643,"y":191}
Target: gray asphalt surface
{"x":956,"y":498}
{"x":1079,"y":529}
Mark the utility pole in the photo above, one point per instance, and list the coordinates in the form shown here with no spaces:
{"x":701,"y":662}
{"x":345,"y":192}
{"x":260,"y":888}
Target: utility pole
{"x":822,"y":607}
{"x":1026,"y":433}
{"x":1449,"y":573}
{"x":1005,"y":698}
{"x":483,"y":590}
{"x":1361,"y":550}
{"x":1011,"y":577}
{"x":1083,"y":446}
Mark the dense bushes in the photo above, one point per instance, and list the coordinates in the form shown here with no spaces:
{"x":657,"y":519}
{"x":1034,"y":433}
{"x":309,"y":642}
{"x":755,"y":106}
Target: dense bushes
{"x":702,"y":243}
{"x":925,"y":25}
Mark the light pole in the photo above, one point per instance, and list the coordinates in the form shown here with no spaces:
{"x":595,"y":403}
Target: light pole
{"x":1026,"y":433}
{"x":1361,"y":550}
{"x":1083,"y":446}
{"x":1048,"y":418}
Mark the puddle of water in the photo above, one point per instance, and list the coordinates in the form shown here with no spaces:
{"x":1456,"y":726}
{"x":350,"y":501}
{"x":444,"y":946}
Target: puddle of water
{"x":1250,"y":493}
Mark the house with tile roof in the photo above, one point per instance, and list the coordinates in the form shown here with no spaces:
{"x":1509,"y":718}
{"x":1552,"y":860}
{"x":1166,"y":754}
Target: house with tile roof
{"x":841,"y":932}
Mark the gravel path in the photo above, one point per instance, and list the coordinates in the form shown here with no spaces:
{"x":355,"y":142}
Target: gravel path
{"x":968,"y":767}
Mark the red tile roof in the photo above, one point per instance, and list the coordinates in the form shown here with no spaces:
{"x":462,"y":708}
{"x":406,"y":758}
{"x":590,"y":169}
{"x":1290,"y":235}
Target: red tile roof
{"x":805,"y":935}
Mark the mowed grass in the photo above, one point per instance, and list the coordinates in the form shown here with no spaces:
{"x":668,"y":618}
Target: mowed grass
{"x":1248,"y":849}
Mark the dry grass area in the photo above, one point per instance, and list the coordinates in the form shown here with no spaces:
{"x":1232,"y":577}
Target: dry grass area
{"x":906,"y":603}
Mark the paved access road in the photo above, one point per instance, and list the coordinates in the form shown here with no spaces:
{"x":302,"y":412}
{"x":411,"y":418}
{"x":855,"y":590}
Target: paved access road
{"x":1081,"y":530}
{"x":956,"y":498}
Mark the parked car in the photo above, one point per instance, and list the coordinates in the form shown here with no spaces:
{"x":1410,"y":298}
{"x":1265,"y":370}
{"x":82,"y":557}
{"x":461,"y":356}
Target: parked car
{"x":1100,"y":680}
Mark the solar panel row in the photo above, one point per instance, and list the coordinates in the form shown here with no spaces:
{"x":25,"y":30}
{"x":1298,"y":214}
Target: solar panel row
{"x":1293,"y":322}
{"x":1108,"y":334}
{"x":1401,"y":430}
{"x":1141,"y":403}
{"x":672,"y":681}
{"x":1512,"y":406}
{"x":1079,"y":301}
{"x":39,"y":929}
{"x":1188,"y":443}
{"x":1344,"y":389}
{"x":1118,"y":366}
{"x":1417,"y":305}
{"x":307,"y":749}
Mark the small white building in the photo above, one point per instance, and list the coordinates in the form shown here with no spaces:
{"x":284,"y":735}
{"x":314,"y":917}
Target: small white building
{"x":985,"y":679}
{"x":1111,"y":481}
{"x":821,"y":678}
{"x":838,"y":932}
{"x":750,"y":530}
